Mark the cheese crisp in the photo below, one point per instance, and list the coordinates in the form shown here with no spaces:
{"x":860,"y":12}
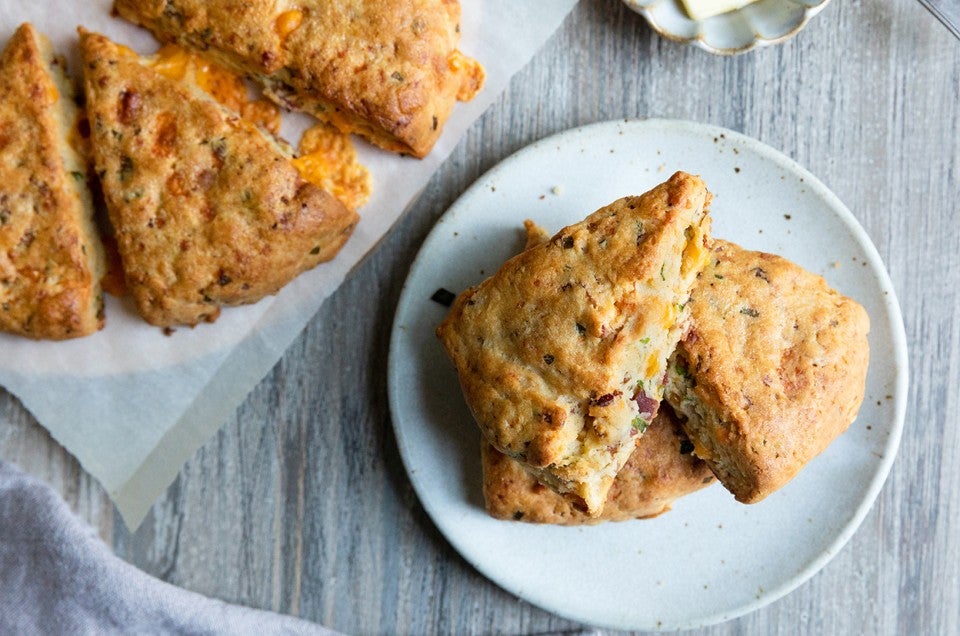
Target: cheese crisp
{"x":208,"y":209}
{"x":561,"y":354}
{"x":388,"y":70}
{"x":660,"y":470}
{"x":51,"y":259}
{"x":772,"y":370}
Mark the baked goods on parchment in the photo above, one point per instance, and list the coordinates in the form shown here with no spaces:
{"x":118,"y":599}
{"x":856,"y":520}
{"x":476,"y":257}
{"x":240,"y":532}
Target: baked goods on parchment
{"x":51,"y":259}
{"x":561,"y":354}
{"x":771,"y":371}
{"x":388,"y":70}
{"x":207,"y":208}
{"x":660,"y":470}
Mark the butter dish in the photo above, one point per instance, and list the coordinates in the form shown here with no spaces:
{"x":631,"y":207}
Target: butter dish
{"x":757,"y":24}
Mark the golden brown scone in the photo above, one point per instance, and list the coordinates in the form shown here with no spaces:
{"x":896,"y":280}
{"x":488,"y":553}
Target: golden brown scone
{"x":771,"y":371}
{"x":561,"y":354}
{"x":385,"y":69}
{"x":661,"y":470}
{"x":208,"y":210}
{"x":51,"y":259}
{"x":534,"y":234}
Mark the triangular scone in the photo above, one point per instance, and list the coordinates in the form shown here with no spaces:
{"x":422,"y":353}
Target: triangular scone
{"x":385,"y":69}
{"x":661,"y":470}
{"x":208,"y":209}
{"x":561,"y":354}
{"x":771,"y":371}
{"x":51,"y":259}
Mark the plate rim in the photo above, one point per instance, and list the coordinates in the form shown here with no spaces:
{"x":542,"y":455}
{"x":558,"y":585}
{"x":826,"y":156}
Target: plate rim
{"x":898,"y":343}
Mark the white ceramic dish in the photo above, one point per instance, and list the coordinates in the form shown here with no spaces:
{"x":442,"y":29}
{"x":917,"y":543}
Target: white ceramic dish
{"x":710,"y":558}
{"x":761,"y":23}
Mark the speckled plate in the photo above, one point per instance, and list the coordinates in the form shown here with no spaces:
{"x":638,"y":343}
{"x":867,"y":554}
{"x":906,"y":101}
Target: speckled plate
{"x":710,"y":558}
{"x":761,"y":23}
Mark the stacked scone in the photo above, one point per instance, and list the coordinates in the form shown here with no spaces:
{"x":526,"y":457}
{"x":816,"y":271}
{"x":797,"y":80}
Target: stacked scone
{"x":205,"y":206}
{"x":565,"y":354}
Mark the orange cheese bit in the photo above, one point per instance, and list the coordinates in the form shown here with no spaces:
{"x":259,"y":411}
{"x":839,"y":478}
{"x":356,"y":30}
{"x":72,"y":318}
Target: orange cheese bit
{"x":224,"y":86}
{"x":329,"y":160}
{"x":473,"y":75}
{"x":288,"y":22}
{"x":263,"y":113}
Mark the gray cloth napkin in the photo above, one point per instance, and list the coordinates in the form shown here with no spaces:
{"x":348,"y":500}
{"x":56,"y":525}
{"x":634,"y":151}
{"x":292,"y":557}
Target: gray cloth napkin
{"x":57,"y":577}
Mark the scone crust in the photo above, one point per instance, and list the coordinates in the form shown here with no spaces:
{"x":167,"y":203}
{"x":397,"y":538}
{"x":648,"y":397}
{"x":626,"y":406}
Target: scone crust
{"x":659,"y":471}
{"x":549,"y":349}
{"x":207,"y":209}
{"x":386,"y":69}
{"x":50,"y":257}
{"x":771,"y":371}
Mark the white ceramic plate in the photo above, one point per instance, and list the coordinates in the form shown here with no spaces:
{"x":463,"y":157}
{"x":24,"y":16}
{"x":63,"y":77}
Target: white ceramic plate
{"x":710,"y":558}
{"x":761,"y":23}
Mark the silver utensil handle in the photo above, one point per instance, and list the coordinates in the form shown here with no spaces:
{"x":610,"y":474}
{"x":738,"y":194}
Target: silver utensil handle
{"x":947,"y":11}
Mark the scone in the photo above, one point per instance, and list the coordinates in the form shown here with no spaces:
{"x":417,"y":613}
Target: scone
{"x":660,"y":470}
{"x":207,"y":208}
{"x":771,"y":371}
{"x":51,"y":259}
{"x":385,"y":69}
{"x":561,"y":354}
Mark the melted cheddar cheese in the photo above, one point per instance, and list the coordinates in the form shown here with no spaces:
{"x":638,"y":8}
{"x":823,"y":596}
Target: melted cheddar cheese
{"x":329,"y":160}
{"x":224,"y":86}
{"x":288,"y":22}
{"x":471,"y":72}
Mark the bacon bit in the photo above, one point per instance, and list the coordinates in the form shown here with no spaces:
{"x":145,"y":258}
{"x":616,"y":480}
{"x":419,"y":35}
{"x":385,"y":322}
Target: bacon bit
{"x":605,"y":399}
{"x":645,"y":404}
{"x":129,"y":106}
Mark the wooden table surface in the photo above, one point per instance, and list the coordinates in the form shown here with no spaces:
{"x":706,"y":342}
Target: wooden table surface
{"x":300,"y":503}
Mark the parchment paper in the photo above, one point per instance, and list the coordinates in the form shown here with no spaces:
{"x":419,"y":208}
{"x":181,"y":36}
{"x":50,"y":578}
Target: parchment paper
{"x":132,"y":404}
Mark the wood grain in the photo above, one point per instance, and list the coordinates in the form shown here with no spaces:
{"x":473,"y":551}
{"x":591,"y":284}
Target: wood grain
{"x":300,"y":503}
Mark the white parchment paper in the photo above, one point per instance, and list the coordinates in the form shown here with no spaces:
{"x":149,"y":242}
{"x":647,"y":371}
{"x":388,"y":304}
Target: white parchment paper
{"x":132,"y":404}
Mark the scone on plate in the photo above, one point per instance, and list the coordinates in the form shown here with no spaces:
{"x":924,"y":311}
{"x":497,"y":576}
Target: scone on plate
{"x":385,"y":69}
{"x":660,"y":470}
{"x":771,"y":371}
{"x":207,"y":208}
{"x":51,"y":259}
{"x":561,"y":354}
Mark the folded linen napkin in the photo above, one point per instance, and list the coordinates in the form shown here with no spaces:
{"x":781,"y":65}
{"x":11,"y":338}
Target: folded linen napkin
{"x":58,"y":577}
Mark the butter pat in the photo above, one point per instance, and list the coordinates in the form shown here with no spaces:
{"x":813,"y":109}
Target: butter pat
{"x":702,"y":9}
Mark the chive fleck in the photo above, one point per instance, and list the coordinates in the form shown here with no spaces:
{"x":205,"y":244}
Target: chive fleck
{"x":749,"y":311}
{"x":79,"y":176}
{"x":443,"y":296}
{"x":662,"y":277}
{"x":645,"y":340}
{"x":718,"y":276}
{"x":126,"y":168}
{"x":640,"y":424}
{"x":397,"y":75}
